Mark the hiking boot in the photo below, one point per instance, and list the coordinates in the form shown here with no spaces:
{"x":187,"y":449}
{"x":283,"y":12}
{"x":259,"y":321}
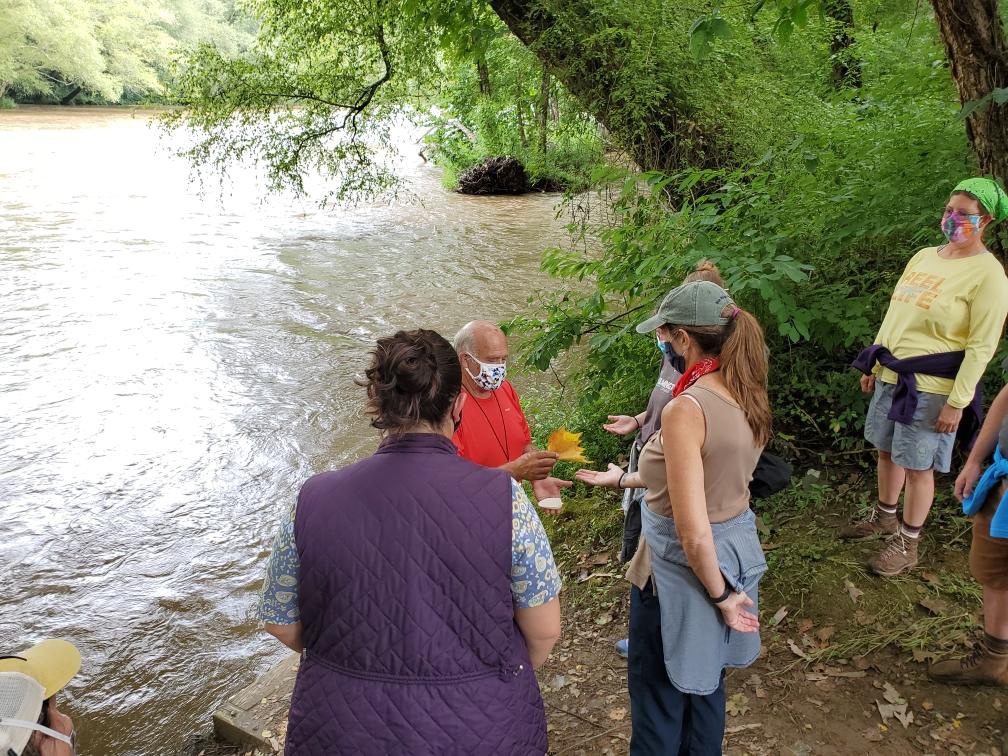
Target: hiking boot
{"x":877,"y":523}
{"x":982,"y":667}
{"x":899,"y":554}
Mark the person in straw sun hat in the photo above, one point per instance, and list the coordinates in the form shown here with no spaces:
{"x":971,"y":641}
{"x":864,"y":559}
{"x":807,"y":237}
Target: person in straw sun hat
{"x":30,"y":722}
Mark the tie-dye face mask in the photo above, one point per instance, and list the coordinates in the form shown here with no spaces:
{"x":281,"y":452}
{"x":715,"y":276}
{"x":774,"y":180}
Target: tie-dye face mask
{"x":958,"y":227}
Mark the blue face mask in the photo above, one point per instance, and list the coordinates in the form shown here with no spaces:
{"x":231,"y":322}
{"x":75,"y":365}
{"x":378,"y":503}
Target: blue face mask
{"x":675,"y":359}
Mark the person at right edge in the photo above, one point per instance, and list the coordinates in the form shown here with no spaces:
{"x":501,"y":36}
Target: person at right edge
{"x":986,"y":499}
{"x":942,"y":327}
{"x":694,"y":598}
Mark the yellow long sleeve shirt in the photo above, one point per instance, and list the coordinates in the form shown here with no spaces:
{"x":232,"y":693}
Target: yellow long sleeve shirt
{"x":944,"y":305}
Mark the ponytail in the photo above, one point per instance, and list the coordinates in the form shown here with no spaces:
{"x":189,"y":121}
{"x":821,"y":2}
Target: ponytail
{"x":742,"y":352}
{"x":744,"y":369}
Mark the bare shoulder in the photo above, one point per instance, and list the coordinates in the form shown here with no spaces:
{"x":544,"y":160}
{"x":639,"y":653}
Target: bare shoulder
{"x":682,"y":413}
{"x":714,"y":383}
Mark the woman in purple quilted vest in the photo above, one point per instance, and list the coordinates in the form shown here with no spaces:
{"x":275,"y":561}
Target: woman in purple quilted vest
{"x":419,"y":587}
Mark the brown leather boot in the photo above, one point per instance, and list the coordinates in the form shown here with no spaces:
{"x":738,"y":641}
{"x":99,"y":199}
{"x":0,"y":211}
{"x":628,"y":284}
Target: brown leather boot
{"x":982,"y":667}
{"x":899,"y":553}
{"x":877,"y":523}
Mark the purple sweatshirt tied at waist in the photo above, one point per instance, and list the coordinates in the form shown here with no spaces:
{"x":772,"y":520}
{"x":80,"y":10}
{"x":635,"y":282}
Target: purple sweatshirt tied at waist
{"x":940,"y":365}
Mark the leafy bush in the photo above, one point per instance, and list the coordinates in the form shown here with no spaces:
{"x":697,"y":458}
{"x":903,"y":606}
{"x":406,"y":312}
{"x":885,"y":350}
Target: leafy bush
{"x":810,"y":236}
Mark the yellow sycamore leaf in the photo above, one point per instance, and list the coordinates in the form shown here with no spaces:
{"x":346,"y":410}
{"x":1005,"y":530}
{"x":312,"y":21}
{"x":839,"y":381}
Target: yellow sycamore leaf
{"x":567,"y":445}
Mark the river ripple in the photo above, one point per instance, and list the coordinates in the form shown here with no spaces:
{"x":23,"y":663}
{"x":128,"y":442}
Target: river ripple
{"x":172,"y":366}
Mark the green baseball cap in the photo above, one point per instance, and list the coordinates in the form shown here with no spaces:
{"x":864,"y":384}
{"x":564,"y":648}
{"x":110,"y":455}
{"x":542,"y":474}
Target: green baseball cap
{"x":699,"y":303}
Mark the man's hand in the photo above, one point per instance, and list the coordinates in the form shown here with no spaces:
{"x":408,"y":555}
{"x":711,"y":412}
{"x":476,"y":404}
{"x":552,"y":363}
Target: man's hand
{"x":867,"y":383}
{"x":967,"y":480}
{"x":610,"y":478}
{"x":948,"y":419}
{"x":621,"y":425}
{"x":550,"y":488}
{"x":532,"y":465}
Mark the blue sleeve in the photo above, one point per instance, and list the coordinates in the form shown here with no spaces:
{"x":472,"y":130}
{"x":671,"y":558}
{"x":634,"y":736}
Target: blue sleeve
{"x":278,"y":604}
{"x":535,"y":579}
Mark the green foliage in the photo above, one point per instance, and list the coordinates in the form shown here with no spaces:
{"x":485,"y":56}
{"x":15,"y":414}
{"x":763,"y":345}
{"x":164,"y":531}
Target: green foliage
{"x":997,"y":96}
{"x":320,"y":90}
{"x":809,"y":235}
{"x":705,"y":30}
{"x":498,"y":100}
{"x":110,"y":51}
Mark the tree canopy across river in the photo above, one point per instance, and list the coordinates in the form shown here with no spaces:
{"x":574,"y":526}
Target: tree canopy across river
{"x":104,"y":51}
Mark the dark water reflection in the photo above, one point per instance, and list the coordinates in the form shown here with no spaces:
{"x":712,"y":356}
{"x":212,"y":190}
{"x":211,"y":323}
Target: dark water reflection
{"x":171,"y":368}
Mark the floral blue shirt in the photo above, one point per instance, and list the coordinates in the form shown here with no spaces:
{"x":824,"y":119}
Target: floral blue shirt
{"x":535,"y":579}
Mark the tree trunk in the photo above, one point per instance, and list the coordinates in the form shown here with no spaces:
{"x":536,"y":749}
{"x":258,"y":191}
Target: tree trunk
{"x":544,"y":111}
{"x":71,"y":96}
{"x":483,"y":71}
{"x":975,"y":44}
{"x":564,"y":36}
{"x":520,"y":111}
{"x":846,"y":66}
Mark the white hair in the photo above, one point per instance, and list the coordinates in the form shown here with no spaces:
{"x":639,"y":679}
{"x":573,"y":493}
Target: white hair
{"x":465,"y":340}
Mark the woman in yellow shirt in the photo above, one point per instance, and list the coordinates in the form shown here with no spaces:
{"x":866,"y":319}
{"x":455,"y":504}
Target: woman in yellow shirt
{"x":949,"y":305}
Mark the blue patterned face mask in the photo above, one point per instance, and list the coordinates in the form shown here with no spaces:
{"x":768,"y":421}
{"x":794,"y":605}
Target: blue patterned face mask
{"x":491,"y":374}
{"x":665,"y":348}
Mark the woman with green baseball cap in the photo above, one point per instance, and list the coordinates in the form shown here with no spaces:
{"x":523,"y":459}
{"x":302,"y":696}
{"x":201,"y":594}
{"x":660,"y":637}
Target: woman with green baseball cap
{"x":694,"y":598}
{"x":943,"y":325}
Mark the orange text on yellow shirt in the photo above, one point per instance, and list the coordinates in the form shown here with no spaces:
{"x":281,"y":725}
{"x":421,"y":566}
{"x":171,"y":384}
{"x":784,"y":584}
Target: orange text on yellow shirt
{"x":920,"y":289}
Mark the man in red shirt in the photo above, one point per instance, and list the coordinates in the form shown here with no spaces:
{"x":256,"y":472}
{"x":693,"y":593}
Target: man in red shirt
{"x":493,"y":431}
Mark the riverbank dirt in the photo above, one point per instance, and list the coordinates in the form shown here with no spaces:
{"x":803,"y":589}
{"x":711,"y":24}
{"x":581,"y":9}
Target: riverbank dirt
{"x":845,"y":654}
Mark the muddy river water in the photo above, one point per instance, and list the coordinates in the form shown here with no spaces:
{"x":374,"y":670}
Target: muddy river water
{"x":172,"y":366}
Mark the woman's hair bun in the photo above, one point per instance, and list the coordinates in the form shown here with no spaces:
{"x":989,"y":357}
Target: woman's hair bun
{"x":705,"y":270}
{"x":411,"y":367}
{"x":413,"y":378}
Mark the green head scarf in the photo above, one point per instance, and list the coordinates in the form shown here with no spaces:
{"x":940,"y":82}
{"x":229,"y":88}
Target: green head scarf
{"x":988,"y":193}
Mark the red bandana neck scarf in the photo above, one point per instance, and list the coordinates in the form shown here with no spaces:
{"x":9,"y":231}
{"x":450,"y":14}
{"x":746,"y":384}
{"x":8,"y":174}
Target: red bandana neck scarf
{"x":695,"y":373}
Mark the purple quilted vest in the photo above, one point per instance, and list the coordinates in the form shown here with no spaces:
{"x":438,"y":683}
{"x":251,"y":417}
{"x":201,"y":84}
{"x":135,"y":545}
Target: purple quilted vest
{"x":408,"y":622}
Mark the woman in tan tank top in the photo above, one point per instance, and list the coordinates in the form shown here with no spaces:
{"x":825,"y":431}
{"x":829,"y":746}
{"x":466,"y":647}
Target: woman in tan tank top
{"x":693,"y":601}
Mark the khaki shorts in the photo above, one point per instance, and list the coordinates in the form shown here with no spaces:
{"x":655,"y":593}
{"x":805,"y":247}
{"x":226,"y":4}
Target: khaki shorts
{"x":917,"y":446}
{"x":989,"y":556}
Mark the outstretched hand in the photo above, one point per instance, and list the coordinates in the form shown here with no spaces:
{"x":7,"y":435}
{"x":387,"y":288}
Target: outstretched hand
{"x":621,"y":425}
{"x":735,"y":616}
{"x":610,"y":478}
{"x":533,"y":465}
{"x":550,"y":488}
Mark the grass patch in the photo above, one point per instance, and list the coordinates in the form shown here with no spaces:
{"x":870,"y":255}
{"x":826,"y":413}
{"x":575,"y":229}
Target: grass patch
{"x":836,"y":608}
{"x":586,"y":537}
{"x":842,"y":609}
